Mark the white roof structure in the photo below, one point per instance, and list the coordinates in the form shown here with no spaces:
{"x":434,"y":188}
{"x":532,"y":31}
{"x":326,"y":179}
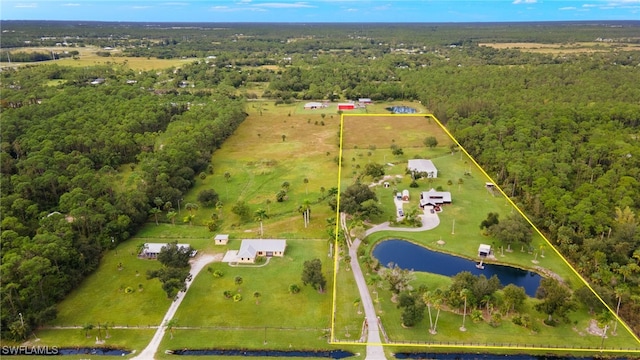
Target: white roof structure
{"x":155,"y":248}
{"x":484,"y":249}
{"x":314,"y":105}
{"x":433,"y":197}
{"x":423,"y":166}
{"x":250,"y":247}
{"x":222,"y":237}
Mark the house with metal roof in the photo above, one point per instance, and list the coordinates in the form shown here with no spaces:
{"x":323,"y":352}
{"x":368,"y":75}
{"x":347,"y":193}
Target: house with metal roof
{"x":434,"y":198}
{"x":151,"y":250}
{"x":250,"y":249}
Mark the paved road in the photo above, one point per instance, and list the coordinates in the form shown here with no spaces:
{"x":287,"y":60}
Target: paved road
{"x":375,"y":351}
{"x":151,"y":349}
{"x":429,"y":221}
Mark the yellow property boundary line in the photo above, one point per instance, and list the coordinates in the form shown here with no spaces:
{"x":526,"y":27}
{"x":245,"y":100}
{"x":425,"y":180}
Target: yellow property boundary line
{"x":459,"y":346}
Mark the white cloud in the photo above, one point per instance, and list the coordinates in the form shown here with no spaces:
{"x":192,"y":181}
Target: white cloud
{"x":175,"y":4}
{"x":23,"y":6}
{"x":567,"y":8}
{"x":524,"y":1}
{"x":70,"y":4}
{"x":140,"y":7}
{"x":282,"y":5}
{"x":589,"y":5}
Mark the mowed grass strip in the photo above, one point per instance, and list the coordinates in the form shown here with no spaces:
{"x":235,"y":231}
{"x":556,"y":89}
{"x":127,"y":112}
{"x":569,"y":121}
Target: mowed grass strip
{"x":268,"y":338}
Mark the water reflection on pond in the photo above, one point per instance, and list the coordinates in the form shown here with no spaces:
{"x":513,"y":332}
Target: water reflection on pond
{"x":411,"y":256}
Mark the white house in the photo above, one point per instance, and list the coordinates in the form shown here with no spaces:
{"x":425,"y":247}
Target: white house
{"x":434,"y":198}
{"x":151,"y":250}
{"x":423,"y":166}
{"x":252,"y":248}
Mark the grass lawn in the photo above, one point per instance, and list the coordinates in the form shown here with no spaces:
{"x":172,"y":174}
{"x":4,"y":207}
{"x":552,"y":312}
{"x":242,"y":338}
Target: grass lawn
{"x":88,"y":57}
{"x":302,"y":319}
{"x":272,"y":282}
{"x":119,"y":295}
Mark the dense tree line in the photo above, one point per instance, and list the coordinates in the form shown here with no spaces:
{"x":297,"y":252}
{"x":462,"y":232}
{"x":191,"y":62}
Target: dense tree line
{"x":62,"y":201}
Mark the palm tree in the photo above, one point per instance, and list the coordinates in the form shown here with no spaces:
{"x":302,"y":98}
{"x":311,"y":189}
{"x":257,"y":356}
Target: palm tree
{"x":427,"y":297}
{"x":261,"y":214}
{"x":464,"y":293}
{"x":356,"y":304}
{"x":171,"y":215}
{"x":437,"y":303}
{"x":191,"y":207}
{"x":155,"y":212}
{"x":227,"y":176}
{"x":87,"y":328}
{"x":305,"y":209}
{"x":620,"y":292}
{"x":219,"y":208}
{"x":257,"y":295}
{"x":306,"y":185}
{"x":171,"y":325}
{"x":189,"y":219}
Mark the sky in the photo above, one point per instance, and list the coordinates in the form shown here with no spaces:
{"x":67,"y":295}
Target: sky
{"x":321,"y":10}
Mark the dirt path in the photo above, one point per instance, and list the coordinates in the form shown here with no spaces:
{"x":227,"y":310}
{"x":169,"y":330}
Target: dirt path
{"x":196,"y":265}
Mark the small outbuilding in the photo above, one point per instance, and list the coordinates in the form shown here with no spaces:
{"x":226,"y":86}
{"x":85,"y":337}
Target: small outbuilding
{"x":346,"y":106}
{"x":405,"y":195}
{"x":221,"y":239}
{"x":484,"y":250}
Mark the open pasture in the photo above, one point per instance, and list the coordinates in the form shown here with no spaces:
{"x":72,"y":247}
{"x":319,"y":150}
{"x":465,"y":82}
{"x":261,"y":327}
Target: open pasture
{"x":569,"y":48}
{"x":405,"y":131}
{"x":88,"y":57}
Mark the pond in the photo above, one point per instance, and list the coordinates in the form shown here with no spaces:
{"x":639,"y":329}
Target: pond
{"x":411,"y":256}
{"x":397,"y":109}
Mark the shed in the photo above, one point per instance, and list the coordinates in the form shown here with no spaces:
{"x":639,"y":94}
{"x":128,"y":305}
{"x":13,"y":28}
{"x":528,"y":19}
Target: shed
{"x":221,"y":239}
{"x":346,"y":106}
{"x":484,"y":250}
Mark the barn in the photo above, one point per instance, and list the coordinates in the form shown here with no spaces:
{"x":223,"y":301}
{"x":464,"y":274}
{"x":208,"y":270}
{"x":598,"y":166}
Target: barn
{"x":346,"y":106}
